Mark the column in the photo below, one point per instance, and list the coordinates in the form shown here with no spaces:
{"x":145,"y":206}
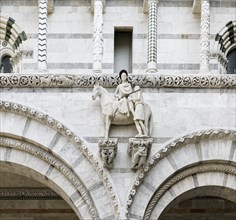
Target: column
{"x":42,"y":36}
{"x":97,"y":36}
{"x":205,"y":36}
{"x":152,"y":36}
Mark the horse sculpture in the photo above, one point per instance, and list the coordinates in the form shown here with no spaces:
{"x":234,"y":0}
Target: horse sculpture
{"x":107,"y":103}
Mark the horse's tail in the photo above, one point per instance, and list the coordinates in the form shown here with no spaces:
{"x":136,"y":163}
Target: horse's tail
{"x":148,"y":120}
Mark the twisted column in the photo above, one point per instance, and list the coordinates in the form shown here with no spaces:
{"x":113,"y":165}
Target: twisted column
{"x":205,"y":36}
{"x":97,"y":36}
{"x":42,"y":36}
{"x":152,"y":36}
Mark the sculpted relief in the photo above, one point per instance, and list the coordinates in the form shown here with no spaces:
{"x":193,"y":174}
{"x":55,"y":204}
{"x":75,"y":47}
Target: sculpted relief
{"x":124,"y":107}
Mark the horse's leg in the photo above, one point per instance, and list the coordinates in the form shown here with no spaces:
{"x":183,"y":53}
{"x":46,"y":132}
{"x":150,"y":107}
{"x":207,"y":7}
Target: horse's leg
{"x":107,"y":126}
{"x":143,"y":128}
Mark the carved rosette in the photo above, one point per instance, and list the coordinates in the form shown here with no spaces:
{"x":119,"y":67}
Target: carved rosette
{"x":152,"y":36}
{"x":205,"y":36}
{"x":107,"y":151}
{"x":97,"y":36}
{"x":139,"y":150}
{"x":42,"y":36}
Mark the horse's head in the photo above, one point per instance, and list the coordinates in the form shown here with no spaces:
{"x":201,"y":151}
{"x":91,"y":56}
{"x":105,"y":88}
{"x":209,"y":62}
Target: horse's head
{"x":96,"y":91}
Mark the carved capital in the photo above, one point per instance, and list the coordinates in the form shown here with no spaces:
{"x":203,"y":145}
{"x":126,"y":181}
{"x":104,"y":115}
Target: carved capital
{"x":107,"y":151}
{"x":103,"y":4}
{"x":196,"y":7}
{"x":139,"y":150}
{"x":50,"y":6}
{"x":146,"y":3}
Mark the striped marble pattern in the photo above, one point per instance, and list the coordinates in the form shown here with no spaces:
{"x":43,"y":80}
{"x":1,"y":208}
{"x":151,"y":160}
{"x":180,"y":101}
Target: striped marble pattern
{"x":42,"y":35}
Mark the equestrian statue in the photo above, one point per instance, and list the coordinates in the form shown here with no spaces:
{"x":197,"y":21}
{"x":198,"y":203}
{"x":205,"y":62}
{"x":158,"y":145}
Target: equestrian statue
{"x":125,"y":107}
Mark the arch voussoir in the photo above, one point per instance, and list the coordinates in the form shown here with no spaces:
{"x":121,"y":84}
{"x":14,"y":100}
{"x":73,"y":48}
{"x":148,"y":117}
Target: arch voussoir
{"x":182,"y":160}
{"x":64,"y":151}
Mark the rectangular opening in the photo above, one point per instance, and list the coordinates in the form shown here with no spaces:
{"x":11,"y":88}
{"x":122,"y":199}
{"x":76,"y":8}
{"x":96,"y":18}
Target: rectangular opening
{"x":123,"y":49}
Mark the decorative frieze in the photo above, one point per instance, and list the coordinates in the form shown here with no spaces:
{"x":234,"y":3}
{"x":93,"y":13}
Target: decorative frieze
{"x":205,"y":36}
{"x":28,"y":194}
{"x":145,"y":81}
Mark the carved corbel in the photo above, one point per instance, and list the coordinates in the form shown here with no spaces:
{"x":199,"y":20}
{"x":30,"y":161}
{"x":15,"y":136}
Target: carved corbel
{"x":139,"y":150}
{"x":145,"y":5}
{"x":107,"y":151}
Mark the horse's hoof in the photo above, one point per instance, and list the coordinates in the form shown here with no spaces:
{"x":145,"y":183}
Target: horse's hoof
{"x":141,"y":136}
{"x":138,"y":135}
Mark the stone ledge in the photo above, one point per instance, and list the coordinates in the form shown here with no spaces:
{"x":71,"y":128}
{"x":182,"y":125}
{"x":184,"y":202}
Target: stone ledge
{"x":111,"y":81}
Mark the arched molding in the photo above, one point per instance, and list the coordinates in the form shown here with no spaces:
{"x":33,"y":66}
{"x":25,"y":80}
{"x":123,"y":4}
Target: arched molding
{"x":28,"y":160}
{"x":203,"y":192}
{"x":178,"y":154}
{"x":226,"y":36}
{"x":59,"y":142}
{"x":6,"y":52}
{"x":233,"y":46}
{"x":11,"y":32}
{"x":184,"y":181}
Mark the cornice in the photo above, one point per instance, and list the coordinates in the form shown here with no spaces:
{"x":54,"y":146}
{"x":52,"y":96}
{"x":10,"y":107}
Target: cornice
{"x":142,"y":80}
